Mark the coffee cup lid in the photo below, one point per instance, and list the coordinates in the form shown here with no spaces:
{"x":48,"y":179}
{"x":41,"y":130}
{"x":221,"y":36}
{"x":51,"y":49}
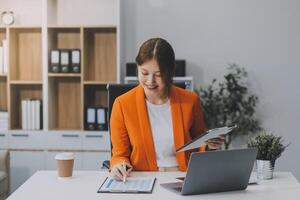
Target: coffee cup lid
{"x":65,"y":156}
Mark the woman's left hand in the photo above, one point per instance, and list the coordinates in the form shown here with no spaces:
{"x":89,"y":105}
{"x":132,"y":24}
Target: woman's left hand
{"x":215,"y":143}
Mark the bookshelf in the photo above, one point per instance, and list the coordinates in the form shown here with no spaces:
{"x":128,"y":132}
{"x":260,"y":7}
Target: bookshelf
{"x":89,"y":25}
{"x":52,"y":25}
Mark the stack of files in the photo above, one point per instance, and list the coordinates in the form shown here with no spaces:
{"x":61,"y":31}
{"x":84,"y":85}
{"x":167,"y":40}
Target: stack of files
{"x":3,"y":121}
{"x":31,"y":114}
{"x":3,"y":57}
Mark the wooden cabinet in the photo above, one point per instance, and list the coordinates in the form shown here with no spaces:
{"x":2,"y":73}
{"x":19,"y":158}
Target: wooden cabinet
{"x":91,"y":26}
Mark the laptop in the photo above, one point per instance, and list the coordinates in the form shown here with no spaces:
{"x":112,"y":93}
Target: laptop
{"x":216,"y":171}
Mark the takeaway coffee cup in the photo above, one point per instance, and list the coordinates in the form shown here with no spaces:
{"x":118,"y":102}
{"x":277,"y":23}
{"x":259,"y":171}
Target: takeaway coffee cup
{"x":65,"y":163}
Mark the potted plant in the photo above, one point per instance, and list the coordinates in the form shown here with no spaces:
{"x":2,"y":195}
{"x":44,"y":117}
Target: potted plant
{"x":229,"y":102}
{"x":270,"y":147}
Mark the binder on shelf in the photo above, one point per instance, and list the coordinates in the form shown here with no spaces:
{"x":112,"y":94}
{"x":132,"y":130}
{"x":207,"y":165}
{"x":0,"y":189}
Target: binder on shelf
{"x":90,"y":118}
{"x":64,"y":60}
{"x":102,"y":119}
{"x":5,"y":56}
{"x":75,"y":60}
{"x":54,"y":61}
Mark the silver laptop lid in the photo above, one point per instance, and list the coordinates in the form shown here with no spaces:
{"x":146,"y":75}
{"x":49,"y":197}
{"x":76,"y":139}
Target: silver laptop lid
{"x":218,"y":171}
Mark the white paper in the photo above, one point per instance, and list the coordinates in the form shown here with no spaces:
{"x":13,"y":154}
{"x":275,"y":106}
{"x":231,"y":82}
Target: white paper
{"x":132,"y":184}
{"x":200,"y":141}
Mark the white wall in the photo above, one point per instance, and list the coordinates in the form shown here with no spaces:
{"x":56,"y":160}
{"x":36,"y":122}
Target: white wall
{"x":261,"y":35}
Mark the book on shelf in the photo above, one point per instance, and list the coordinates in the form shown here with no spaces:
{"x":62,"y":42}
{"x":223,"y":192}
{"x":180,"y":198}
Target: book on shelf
{"x":5,"y":56}
{"x":3,"y":120}
{"x":31,"y":114}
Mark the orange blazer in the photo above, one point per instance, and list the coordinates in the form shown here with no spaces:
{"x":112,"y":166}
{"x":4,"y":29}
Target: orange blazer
{"x":130,"y":128}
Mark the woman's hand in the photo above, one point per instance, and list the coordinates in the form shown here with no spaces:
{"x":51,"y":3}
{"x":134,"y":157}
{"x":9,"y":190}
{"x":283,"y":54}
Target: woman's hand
{"x":120,"y":170}
{"x":215,"y":143}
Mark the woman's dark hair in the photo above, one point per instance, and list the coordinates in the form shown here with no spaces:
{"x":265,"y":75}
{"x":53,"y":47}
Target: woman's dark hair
{"x":160,"y":50}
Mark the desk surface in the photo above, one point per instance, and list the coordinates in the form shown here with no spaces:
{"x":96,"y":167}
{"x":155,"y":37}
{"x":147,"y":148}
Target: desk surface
{"x":84,"y":185}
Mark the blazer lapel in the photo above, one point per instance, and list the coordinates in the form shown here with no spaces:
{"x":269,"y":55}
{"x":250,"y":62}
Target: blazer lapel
{"x":145,"y":128}
{"x":178,"y":129}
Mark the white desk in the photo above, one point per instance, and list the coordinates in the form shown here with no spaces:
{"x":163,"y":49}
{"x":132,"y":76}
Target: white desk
{"x":45,"y":185}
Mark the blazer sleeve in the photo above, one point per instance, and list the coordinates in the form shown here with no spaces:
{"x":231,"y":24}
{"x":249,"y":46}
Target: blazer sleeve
{"x":198,"y":124}
{"x":119,"y":135}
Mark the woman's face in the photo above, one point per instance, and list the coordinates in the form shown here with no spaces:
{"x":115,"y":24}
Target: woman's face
{"x":149,"y":76}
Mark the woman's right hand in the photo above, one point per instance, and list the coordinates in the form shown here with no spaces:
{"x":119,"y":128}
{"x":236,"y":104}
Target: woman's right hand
{"x":120,"y":170}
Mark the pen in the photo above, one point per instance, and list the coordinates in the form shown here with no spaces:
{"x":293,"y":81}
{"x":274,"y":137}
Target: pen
{"x":124,"y":176}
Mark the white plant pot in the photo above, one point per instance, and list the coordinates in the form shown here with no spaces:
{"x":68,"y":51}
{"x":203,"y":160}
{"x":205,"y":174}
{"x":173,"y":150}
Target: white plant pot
{"x":265,"y":169}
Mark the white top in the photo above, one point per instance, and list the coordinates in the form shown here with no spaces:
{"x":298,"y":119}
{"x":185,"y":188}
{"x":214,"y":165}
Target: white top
{"x":162,"y":132}
{"x":84,"y":185}
{"x":65,"y":156}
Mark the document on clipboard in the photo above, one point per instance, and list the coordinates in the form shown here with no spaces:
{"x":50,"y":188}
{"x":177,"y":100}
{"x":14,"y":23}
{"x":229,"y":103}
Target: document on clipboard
{"x":132,"y":185}
{"x":200,"y":140}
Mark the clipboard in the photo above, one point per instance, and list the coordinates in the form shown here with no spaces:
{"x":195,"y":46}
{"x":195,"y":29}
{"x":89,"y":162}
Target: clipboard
{"x":200,"y":140}
{"x":132,"y":185}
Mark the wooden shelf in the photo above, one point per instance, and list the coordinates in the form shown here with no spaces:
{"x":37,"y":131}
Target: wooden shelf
{"x":96,"y":82}
{"x":18,"y":93}
{"x":25,"y":56}
{"x":64,"y":74}
{"x":26,"y":82}
{"x":100,"y":54}
{"x":3,"y":93}
{"x":65,"y":103}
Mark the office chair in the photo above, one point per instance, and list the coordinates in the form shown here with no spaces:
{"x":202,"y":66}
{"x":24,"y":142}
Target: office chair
{"x":115,"y":90}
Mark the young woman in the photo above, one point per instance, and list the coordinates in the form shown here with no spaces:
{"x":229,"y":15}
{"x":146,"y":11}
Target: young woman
{"x":153,"y":119}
